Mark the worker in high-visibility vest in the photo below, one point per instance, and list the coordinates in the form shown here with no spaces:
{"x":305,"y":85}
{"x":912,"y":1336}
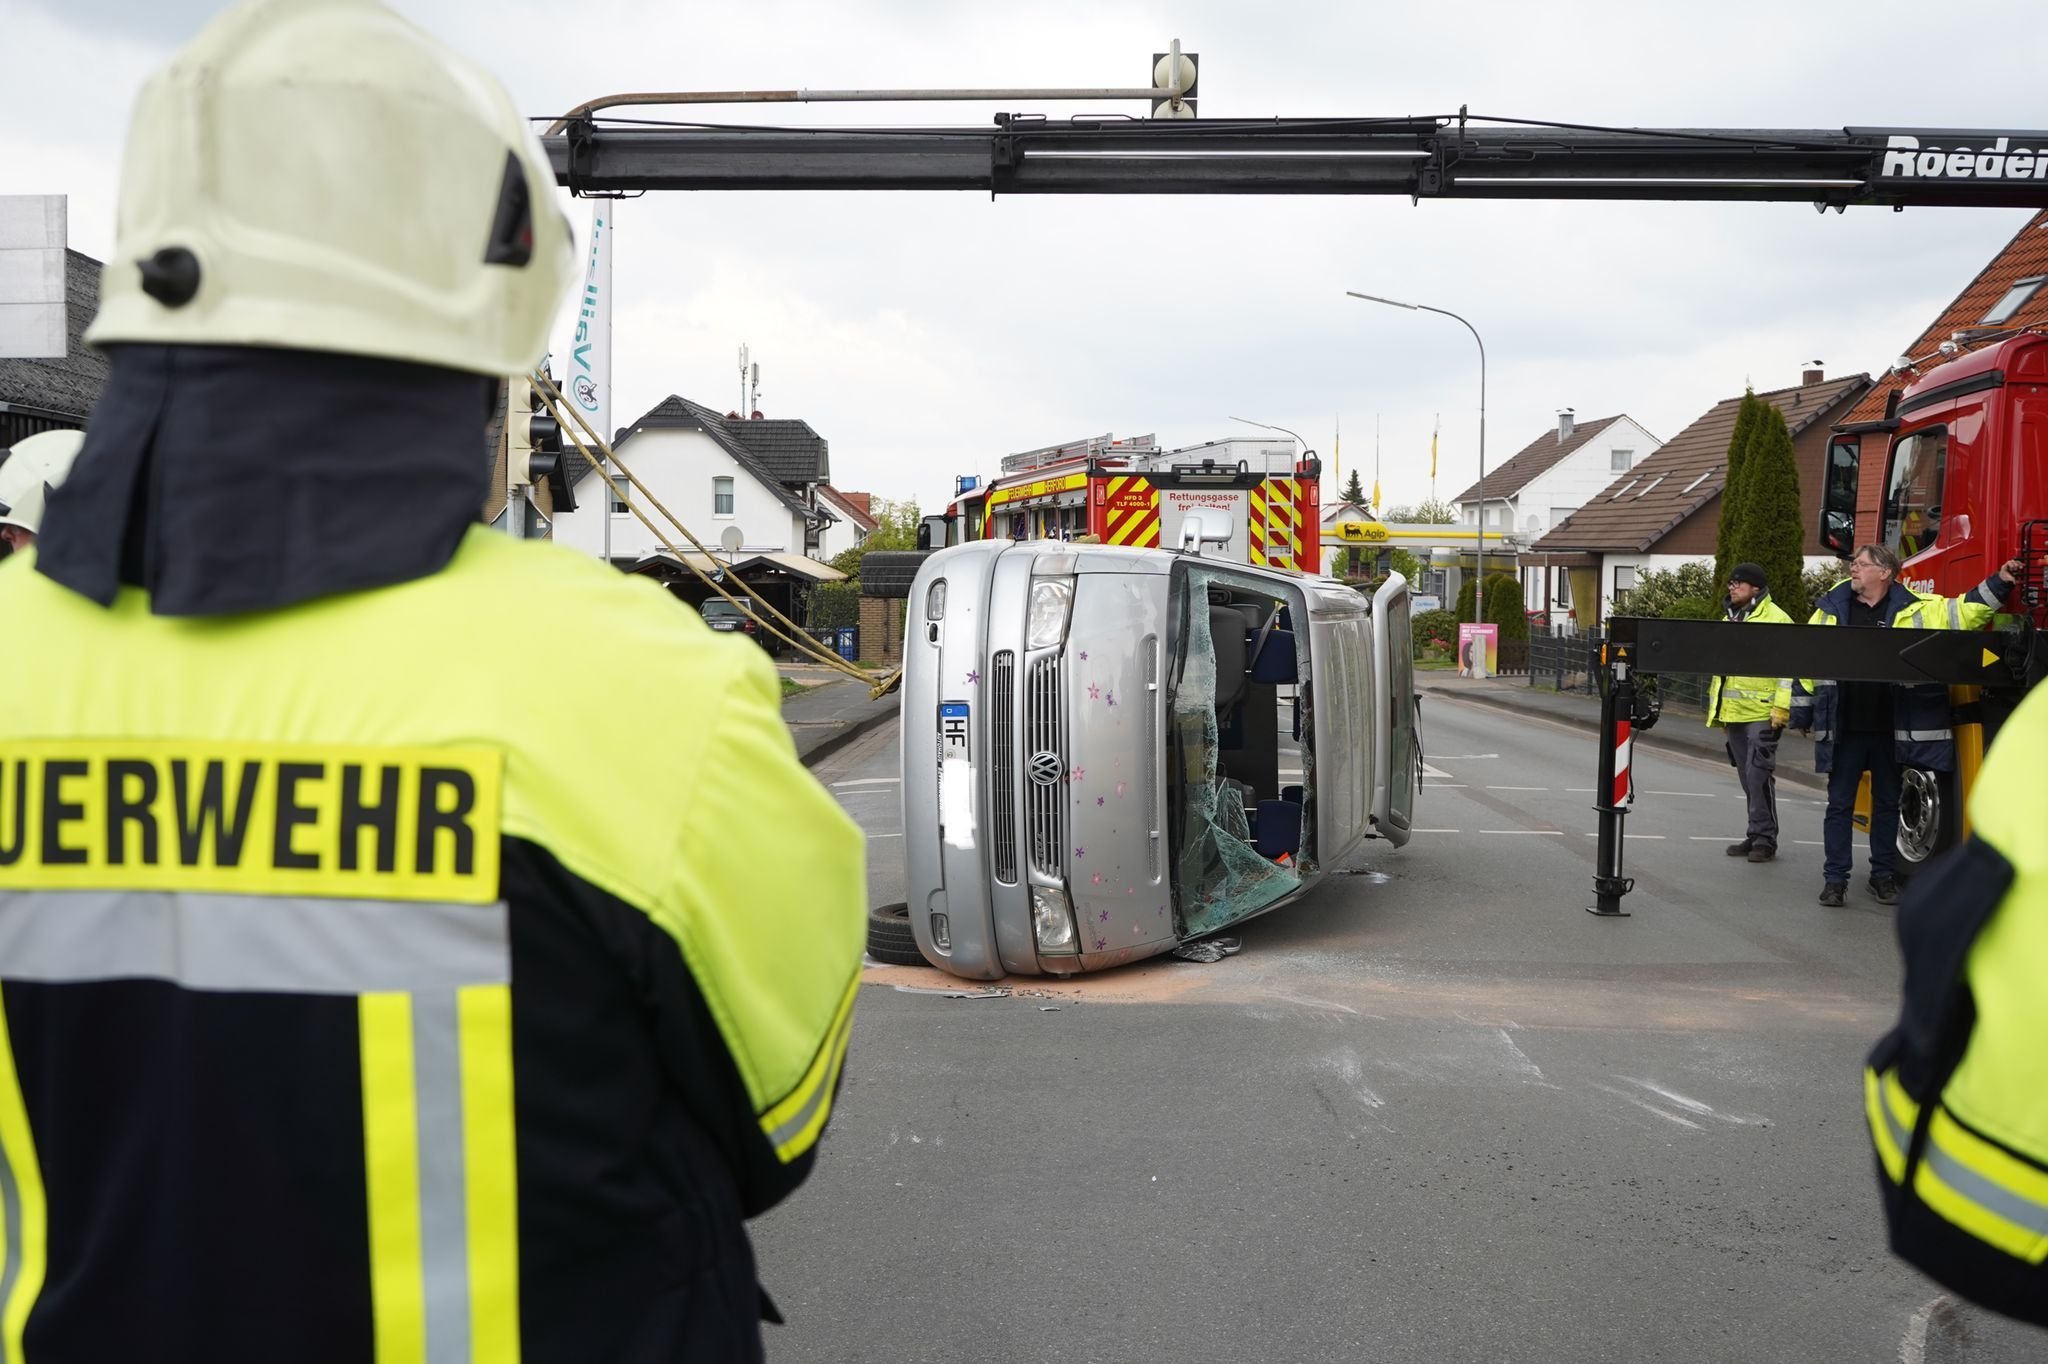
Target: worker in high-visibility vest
{"x":415,"y":943}
{"x":1957,"y":1094}
{"x":1753,"y":712}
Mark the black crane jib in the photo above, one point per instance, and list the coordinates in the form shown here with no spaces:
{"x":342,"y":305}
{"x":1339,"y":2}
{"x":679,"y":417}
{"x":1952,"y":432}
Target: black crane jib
{"x":1451,"y":158}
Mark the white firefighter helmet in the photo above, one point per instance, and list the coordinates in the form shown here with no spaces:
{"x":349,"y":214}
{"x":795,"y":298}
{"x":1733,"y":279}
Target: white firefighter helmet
{"x":323,"y":175}
{"x":32,"y":472}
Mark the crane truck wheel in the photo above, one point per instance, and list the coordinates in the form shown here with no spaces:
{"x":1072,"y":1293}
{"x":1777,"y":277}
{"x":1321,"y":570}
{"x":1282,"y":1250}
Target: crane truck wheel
{"x":1927,"y":816}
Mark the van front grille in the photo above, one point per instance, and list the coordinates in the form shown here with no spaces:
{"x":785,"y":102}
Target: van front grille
{"x":1002,"y":730}
{"x":1045,"y":770}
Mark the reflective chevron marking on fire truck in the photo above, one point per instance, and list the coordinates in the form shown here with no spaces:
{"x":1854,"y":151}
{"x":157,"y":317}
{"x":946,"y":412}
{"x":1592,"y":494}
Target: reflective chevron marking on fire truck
{"x":1275,"y":537}
{"x":1131,"y":512}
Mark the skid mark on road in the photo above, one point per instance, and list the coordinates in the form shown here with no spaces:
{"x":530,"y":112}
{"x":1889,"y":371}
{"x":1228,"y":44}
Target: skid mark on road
{"x":1648,"y":1107}
{"x":1694,"y":1106}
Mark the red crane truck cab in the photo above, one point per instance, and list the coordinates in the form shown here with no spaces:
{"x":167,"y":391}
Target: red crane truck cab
{"x":1963,"y":487}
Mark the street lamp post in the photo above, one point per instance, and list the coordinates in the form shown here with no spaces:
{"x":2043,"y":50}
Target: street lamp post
{"x":1479,"y":589}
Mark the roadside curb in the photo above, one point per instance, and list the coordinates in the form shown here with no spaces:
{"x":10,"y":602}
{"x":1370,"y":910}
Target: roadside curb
{"x":1800,"y":776}
{"x":839,"y":722}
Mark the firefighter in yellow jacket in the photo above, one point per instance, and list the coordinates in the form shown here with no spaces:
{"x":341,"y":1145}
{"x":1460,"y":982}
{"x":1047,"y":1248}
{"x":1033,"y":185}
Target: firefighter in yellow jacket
{"x":1957,"y":1094}
{"x":1753,"y":711}
{"x":415,"y":944}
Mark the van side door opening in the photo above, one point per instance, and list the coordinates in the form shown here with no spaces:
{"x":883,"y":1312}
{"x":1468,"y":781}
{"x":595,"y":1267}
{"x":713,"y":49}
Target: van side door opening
{"x":1241,"y":830}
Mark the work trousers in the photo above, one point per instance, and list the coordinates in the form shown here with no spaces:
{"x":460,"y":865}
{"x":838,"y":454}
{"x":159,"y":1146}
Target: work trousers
{"x":1753,"y":748}
{"x":1855,"y":754}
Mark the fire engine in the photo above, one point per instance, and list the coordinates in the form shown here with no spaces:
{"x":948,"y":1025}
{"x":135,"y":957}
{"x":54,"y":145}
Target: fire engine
{"x":1243,"y":500}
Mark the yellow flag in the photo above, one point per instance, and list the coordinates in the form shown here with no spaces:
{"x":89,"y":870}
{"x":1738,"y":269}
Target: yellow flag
{"x":1432,"y":454}
{"x":1375,"y":494}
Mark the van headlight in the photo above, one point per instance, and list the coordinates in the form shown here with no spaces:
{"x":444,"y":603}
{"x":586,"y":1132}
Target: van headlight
{"x":1045,"y":623}
{"x":1052,"y":921}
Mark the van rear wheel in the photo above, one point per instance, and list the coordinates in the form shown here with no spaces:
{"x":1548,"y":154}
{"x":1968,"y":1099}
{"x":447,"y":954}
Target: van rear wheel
{"x":890,"y":940}
{"x":1927,"y":816}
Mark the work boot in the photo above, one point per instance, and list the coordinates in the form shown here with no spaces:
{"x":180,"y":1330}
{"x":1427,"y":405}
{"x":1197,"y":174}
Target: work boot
{"x":1884,"y":889}
{"x":1831,"y":893}
{"x":1762,"y":854}
{"x":1741,"y":849}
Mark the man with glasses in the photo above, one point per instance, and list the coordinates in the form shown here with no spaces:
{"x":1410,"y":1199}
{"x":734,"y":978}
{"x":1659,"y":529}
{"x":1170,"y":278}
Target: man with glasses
{"x":1879,"y":727}
{"x":1754,"y":710}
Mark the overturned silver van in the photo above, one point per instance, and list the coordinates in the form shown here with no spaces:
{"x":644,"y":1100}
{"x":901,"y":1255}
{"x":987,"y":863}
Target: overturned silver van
{"x":1108,"y":752}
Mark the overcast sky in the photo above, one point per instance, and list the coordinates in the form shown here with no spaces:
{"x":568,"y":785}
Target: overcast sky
{"x":927,"y":335}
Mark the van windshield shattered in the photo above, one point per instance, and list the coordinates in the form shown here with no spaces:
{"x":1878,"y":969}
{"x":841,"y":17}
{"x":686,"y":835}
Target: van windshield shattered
{"x":1219,"y":875}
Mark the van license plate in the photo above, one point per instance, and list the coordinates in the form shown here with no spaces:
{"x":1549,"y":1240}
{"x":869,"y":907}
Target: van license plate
{"x":952,"y":730}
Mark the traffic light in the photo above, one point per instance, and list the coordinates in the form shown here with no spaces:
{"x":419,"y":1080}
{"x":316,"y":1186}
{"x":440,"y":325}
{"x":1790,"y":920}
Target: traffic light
{"x":533,"y":436}
{"x":1162,"y":80}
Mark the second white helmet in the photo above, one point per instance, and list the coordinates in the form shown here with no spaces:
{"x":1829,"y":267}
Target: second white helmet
{"x":33,"y":470}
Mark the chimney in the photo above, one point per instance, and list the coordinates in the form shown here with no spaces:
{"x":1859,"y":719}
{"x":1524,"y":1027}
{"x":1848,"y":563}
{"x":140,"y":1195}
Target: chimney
{"x":1564,"y":425}
{"x":1812,"y":374}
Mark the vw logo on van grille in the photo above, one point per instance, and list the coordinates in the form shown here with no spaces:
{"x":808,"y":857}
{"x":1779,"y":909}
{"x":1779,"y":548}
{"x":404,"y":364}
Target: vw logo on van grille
{"x":1046,"y":768}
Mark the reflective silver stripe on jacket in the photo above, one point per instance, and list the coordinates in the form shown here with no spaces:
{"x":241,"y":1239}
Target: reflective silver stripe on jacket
{"x":1983,"y":593}
{"x":2014,"y":1207}
{"x":274,"y":944}
{"x":1923,"y":736}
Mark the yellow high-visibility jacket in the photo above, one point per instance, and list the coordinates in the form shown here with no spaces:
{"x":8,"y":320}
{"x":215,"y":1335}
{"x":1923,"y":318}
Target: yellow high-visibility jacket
{"x":439,"y":972}
{"x":1957,"y":1094}
{"x":1741,"y":700}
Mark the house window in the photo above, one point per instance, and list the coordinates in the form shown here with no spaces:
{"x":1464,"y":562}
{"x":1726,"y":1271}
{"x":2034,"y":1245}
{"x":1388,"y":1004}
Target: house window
{"x":1558,"y":515}
{"x":1621,"y":461}
{"x":620,"y":506}
{"x":721,"y":497}
{"x":2015,"y":298}
{"x":1624,"y":583}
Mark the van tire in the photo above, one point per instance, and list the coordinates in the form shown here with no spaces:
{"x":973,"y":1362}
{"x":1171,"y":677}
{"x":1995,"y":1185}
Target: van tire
{"x":890,"y":940}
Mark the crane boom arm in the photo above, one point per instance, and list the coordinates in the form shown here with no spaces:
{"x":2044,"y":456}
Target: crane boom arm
{"x":1451,"y":158}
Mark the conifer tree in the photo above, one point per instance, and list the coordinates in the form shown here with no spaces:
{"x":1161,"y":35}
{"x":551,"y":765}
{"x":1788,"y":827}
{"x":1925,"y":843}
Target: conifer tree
{"x":1353,"y":493}
{"x":1731,"y":487}
{"x":1771,"y":531}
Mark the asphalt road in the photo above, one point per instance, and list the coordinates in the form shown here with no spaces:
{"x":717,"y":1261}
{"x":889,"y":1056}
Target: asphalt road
{"x":1433,"y":1112}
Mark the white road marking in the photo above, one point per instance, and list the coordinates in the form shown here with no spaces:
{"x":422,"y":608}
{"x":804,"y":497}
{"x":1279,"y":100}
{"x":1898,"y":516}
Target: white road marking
{"x":1518,"y":788}
{"x":1432,"y":831}
{"x":1711,"y":838}
{"x":1809,"y":843}
{"x":1534,"y":833}
{"x":868,"y":781}
{"x":1578,"y":790}
{"x":885,"y":835}
{"x":1700,"y":795}
{"x":1443,"y":786}
{"x":1437,"y":772}
{"x":1633,"y":837}
{"x":1913,"y":1344}
{"x":1467,"y":757}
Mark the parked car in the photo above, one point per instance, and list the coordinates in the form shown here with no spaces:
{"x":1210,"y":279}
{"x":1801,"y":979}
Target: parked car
{"x":1108,"y":752}
{"x":723,"y":616}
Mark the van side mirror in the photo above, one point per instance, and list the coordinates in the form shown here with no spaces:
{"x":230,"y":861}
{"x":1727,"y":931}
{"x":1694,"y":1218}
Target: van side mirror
{"x":1838,"y":498}
{"x":924,"y":537}
{"x":1198,"y":531}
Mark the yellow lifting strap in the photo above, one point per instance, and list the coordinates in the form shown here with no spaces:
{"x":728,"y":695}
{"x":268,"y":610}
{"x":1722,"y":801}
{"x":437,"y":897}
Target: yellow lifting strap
{"x":571,"y":418}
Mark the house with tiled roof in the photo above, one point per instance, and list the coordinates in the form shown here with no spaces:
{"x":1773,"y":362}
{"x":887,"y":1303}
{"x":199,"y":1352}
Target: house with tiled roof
{"x":56,"y":393}
{"x":1553,"y":476}
{"x":852,"y":520}
{"x":2009,"y":294}
{"x":1666,"y":510}
{"x":695,"y":463}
